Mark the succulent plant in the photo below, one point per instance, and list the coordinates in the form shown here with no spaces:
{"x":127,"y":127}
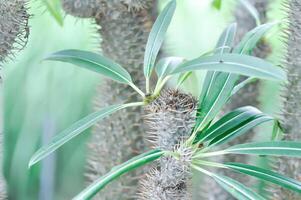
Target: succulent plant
{"x":199,"y":135}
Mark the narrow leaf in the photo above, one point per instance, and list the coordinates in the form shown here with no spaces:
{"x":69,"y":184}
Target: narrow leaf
{"x":237,"y":126}
{"x":226,"y":39}
{"x":166,"y":65}
{"x":117,"y":171}
{"x":156,"y":37}
{"x":236,"y":189}
{"x":234,"y":63}
{"x":242,"y":85}
{"x":266,"y":175}
{"x":217,"y":85}
{"x":282,"y":148}
{"x":54,"y":8}
{"x":93,"y":62}
{"x":218,"y":92}
{"x":233,"y":124}
{"x":250,"y":40}
{"x":73,"y":131}
{"x":252,"y":10}
{"x":183,"y":77}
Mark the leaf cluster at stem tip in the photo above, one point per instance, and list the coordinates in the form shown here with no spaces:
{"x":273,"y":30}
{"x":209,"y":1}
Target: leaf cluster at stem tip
{"x":224,"y":66}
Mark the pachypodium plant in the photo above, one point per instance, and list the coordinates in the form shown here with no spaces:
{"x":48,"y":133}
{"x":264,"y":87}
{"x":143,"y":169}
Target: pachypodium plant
{"x":185,"y":131}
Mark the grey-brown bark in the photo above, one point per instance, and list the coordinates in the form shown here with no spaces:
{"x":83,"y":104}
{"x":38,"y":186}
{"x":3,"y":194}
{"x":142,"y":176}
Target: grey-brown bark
{"x":291,"y":111}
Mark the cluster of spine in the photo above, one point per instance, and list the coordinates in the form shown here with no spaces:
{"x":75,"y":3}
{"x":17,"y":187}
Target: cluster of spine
{"x":13,"y":27}
{"x":170,"y":120}
{"x":291,"y":111}
{"x":247,"y":96}
{"x":125,"y":25}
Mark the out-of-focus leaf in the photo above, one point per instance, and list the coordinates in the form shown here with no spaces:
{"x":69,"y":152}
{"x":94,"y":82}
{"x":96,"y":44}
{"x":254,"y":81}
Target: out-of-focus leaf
{"x":250,"y":40}
{"x":182,"y":78}
{"x":252,"y":10}
{"x":242,"y":84}
{"x":54,"y":8}
{"x":117,"y":171}
{"x":217,"y":4}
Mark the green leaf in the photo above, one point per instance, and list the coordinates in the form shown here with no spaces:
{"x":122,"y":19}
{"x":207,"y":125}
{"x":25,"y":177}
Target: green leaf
{"x":250,"y":40}
{"x":117,"y":171}
{"x":236,"y":189}
{"x":242,"y":85}
{"x":73,"y":131}
{"x":226,"y":39}
{"x":282,"y":148}
{"x":234,"y":124}
{"x":252,"y":10}
{"x":93,"y":62}
{"x":54,"y":8}
{"x":156,"y":37}
{"x":217,"y":85}
{"x":217,"y":94}
{"x":266,"y":175}
{"x":166,"y":65}
{"x":182,"y":78}
{"x":234,"y":63}
{"x":217,"y":4}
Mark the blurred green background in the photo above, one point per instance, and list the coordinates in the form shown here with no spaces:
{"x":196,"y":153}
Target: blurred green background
{"x":42,"y":98}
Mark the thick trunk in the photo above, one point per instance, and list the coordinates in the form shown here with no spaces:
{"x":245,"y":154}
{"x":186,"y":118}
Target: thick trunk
{"x":291,"y":112}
